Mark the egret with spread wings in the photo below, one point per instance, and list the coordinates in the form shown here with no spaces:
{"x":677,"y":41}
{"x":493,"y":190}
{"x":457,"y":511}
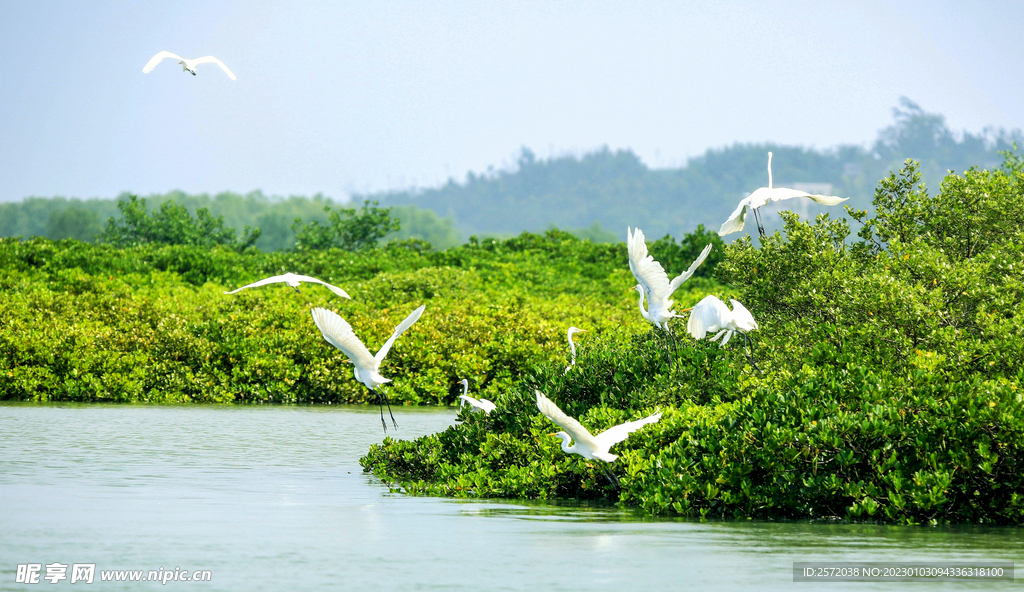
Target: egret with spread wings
{"x":652,"y":281}
{"x":292,"y":280}
{"x":339,"y":333}
{"x":764,"y":196}
{"x":187,"y":65}
{"x":587,"y":445}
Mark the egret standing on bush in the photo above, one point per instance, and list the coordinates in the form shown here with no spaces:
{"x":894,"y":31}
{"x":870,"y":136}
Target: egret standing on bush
{"x":766,"y":195}
{"x":477,"y":404}
{"x":339,"y":333}
{"x":711,"y":315}
{"x":572,"y":347}
{"x":589,"y":446}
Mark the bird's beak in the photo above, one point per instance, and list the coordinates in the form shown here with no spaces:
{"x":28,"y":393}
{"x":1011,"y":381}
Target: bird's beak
{"x":348,"y":361}
{"x":687,"y":309}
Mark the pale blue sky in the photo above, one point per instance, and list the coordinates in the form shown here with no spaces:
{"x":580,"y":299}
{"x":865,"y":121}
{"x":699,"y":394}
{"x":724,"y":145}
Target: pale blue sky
{"x":340,"y":97}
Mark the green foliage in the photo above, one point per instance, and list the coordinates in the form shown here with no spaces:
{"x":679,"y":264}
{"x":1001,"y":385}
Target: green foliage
{"x":346,"y":228}
{"x":890,"y":386}
{"x":149,"y":322}
{"x":171,"y":224}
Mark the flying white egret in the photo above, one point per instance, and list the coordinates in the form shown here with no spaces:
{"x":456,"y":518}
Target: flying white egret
{"x":478,"y":404}
{"x":711,"y":315}
{"x":652,"y":281}
{"x":586,"y":445}
{"x":292,"y":280}
{"x":765,"y":195}
{"x":339,"y":333}
{"x":187,"y":65}
{"x":572,"y":346}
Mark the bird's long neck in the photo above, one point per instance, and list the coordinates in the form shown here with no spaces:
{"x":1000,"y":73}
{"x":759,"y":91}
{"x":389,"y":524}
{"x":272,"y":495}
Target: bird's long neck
{"x":572,"y":348}
{"x":769,"y":170}
{"x":465,"y":388}
{"x":565,"y":445}
{"x":640,"y":303}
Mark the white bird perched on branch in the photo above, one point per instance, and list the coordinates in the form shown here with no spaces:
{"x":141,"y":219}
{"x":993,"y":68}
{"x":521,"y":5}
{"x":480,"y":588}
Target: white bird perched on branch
{"x":711,"y":315}
{"x":292,"y":280}
{"x":187,"y":65}
{"x":478,"y":404}
{"x":765,"y":195}
{"x":586,"y":445}
{"x":339,"y":333}
{"x":572,"y":346}
{"x":652,"y":281}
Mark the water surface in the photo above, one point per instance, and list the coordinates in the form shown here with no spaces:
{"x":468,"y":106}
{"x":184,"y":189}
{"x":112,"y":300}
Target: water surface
{"x":273,"y":498}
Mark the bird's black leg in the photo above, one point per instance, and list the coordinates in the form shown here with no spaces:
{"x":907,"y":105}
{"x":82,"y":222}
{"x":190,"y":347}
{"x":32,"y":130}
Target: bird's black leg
{"x":668,"y":352}
{"x":388,"y":401}
{"x":760,"y":226}
{"x":750,"y":355}
{"x":380,"y":403}
{"x":675,"y":348}
{"x":612,"y":479}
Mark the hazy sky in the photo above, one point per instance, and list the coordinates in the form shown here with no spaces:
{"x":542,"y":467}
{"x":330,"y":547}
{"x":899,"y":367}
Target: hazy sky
{"x":358,"y":96}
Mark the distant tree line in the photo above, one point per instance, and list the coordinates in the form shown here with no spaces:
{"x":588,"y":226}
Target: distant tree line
{"x":594,"y":196}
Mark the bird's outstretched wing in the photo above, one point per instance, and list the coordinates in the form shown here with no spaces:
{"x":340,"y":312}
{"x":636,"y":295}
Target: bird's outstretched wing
{"x":616,"y":434}
{"x":481,"y":404}
{"x":572,"y":427}
{"x":648,"y":272}
{"x":828,"y":200}
{"x":313,"y":280}
{"x":781,"y":193}
{"x":741,"y":317}
{"x":408,"y":322}
{"x":689,"y":272}
{"x":270,"y":280}
{"x":339,"y":333}
{"x":736,"y":219}
{"x":710,"y":314}
{"x":153,"y":61}
{"x":213,"y":60}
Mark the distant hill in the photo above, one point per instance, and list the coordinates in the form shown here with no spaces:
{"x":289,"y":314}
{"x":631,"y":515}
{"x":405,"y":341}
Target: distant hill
{"x":616,"y":189}
{"x":595,"y":195}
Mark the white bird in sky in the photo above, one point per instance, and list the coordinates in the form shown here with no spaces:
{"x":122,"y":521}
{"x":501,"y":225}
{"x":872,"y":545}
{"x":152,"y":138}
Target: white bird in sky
{"x":586,"y":445}
{"x":765,"y":195}
{"x":478,"y":404}
{"x":572,"y":346}
{"x":292,"y":280}
{"x":187,"y":65}
{"x":652,"y":280}
{"x":339,"y":333}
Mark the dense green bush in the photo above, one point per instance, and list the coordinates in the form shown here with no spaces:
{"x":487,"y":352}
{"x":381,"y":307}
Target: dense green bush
{"x":889,"y":385}
{"x":171,"y":224}
{"x":348,"y":229}
{"x":149,"y":322}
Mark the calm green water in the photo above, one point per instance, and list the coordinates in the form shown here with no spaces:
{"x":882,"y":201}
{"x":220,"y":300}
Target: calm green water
{"x":273,"y":498}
